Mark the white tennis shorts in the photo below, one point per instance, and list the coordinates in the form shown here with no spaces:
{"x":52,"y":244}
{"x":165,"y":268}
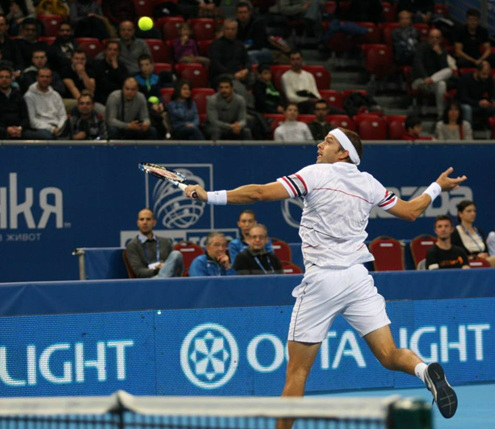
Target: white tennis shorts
{"x":325,"y":293}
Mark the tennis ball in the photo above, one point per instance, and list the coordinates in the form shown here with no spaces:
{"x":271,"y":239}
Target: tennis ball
{"x":153,"y":100}
{"x":145,"y":23}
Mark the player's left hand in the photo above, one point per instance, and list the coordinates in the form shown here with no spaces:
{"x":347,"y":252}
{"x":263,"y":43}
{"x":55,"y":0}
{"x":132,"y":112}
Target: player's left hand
{"x":196,"y":191}
{"x":449,"y":183}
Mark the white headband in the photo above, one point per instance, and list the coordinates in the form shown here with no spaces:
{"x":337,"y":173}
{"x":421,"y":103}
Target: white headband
{"x":346,"y":144}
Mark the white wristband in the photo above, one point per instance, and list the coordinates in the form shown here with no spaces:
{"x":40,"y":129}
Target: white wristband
{"x":217,"y":198}
{"x":434,"y":190}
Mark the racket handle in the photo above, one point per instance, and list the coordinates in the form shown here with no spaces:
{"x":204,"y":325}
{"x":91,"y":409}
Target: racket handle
{"x":183,"y":186}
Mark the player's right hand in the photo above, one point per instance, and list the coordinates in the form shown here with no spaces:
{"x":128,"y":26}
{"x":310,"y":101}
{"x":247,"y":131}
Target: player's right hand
{"x":197,"y":192}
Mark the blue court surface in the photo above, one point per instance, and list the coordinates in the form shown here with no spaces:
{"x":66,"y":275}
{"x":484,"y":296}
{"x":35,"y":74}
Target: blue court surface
{"x":476,"y":409}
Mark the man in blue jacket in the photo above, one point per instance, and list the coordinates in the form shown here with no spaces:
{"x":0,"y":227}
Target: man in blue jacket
{"x":216,"y":262}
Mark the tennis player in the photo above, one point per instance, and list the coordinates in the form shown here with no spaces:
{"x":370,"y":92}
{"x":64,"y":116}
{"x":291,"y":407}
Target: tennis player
{"x":338,"y":199}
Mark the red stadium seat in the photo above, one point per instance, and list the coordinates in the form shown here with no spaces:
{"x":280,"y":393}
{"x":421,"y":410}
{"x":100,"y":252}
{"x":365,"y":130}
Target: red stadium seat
{"x":167,"y":94}
{"x":307,"y":119}
{"x":378,"y":60}
{"x":479,"y":263}
{"x":91,"y":45}
{"x":47,"y":39}
{"x":189,"y":251}
{"x":199,"y":96}
{"x":170,"y":26}
{"x":388,"y":253}
{"x":342,"y":121}
{"x":346,"y":92}
{"x":204,"y":47}
{"x":389,"y":11}
{"x":332,"y":97}
{"x":160,"y":52}
{"x":373,"y":35}
{"x":290,"y":268}
{"x":51,"y":23}
{"x":321,"y":74}
{"x":203,"y":28}
{"x":387,"y":29}
{"x":440,"y":9}
{"x":371,"y":127}
{"x":281,"y":249}
{"x":194,"y":72}
{"x":276,"y":120}
{"x":277,"y":72}
{"x":396,"y":127}
{"x":143,"y":7}
{"x":340,"y":42}
{"x":423,"y":30}
{"x":420,"y":245}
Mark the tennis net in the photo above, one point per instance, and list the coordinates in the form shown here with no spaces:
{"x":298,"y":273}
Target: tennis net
{"x":124,"y":411}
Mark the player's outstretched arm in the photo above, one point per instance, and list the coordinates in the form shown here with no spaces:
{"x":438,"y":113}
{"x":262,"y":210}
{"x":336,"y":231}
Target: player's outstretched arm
{"x":243,"y":195}
{"x":411,"y":210}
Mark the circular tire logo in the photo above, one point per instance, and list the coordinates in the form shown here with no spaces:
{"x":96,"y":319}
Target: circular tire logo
{"x":209,"y":356}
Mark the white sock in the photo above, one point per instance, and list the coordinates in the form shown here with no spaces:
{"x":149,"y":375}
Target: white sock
{"x":419,"y":370}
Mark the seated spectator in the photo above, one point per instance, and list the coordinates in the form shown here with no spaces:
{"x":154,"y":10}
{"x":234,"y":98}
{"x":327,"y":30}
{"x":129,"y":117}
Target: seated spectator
{"x":443,"y":254}
{"x":308,"y":11}
{"x":405,"y":39}
{"x":47,"y":114}
{"x":29,"y":75}
{"x":89,"y":21}
{"x":86,"y":124}
{"x":268,"y":99}
{"x":452,"y":126}
{"x":291,"y":130}
{"x":78,"y":77}
{"x":422,"y":10}
{"x":61,"y":50}
{"x":247,"y":219}
{"x":52,"y":7}
{"x":430,"y":70}
{"x":490,"y":242}
{"x":16,"y":12}
{"x":185,"y":49}
{"x":131,"y":48}
{"x":299,"y":85}
{"x":320,"y":127}
{"x":477,"y":95}
{"x":216,"y":261}
{"x":469,"y":237}
{"x":151,"y":256}
{"x":413,"y":128}
{"x":8,"y":48}
{"x":150,"y":84}
{"x":126,"y":114}
{"x":28,"y":40}
{"x":226,"y":114}
{"x":110,"y":73}
{"x":118,"y":11}
{"x":472,"y":45}
{"x":183,"y":113}
{"x":256,"y":259}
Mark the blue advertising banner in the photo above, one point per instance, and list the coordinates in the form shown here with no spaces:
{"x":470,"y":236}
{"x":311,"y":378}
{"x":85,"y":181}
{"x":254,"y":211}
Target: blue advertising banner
{"x":56,"y":198}
{"x":231,"y":351}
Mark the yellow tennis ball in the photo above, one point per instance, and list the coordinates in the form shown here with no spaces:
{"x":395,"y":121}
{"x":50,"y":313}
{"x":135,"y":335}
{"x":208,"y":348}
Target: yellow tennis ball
{"x":145,"y":23}
{"x":154,"y":100}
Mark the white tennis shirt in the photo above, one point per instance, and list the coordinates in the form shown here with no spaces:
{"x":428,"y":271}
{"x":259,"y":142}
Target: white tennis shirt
{"x":338,"y":199}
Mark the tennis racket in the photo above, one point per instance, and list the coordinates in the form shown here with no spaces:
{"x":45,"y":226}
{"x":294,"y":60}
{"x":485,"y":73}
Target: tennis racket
{"x":162,"y":173}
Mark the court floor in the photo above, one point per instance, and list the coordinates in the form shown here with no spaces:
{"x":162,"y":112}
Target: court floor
{"x":476,"y":409}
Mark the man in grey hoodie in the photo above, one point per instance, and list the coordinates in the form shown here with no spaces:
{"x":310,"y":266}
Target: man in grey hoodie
{"x":45,"y":106}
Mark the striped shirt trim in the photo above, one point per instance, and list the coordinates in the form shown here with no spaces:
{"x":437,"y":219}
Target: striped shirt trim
{"x":389,"y":201}
{"x":296,"y":184}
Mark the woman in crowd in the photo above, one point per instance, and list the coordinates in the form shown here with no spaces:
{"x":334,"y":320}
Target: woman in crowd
{"x":183,"y":113}
{"x":452,"y":126}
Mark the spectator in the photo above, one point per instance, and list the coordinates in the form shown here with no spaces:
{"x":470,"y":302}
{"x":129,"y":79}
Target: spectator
{"x":183,"y":113}
{"x":52,"y":7}
{"x":307,"y":10}
{"x":291,"y":130}
{"x":16,"y":12}
{"x":131,"y":48}
{"x":200,"y":9}
{"x":430,"y":70}
{"x":126,"y":114}
{"x":320,"y":127}
{"x":477,"y":95}
{"x":443,"y":254}
{"x":405,"y":39}
{"x":229,"y":56}
{"x":413,"y":128}
{"x":118,"y":11}
{"x":86,"y":124}
{"x":185,"y":49}
{"x":8,"y":48}
{"x":299,"y":85}
{"x":110,"y":73}
{"x":422,"y":10}
{"x":78,"y":77}
{"x":46,"y":110}
{"x":246,"y":220}
{"x":268,"y":99}
{"x":89,"y":21}
{"x":61,"y":50}
{"x":151,"y":256}
{"x":28,"y":41}
{"x":472,"y":45}
{"x":452,"y":126}
{"x":226,"y":113}
{"x":467,"y":236}
{"x":216,"y":262}
{"x":490,"y":242}
{"x":29,"y":75}
{"x":256,"y":259}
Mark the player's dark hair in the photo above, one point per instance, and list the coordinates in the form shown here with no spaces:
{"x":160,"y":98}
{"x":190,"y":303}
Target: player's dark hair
{"x":445,"y":116}
{"x":356,"y":142}
{"x":444,"y":217}
{"x":473,"y":12}
{"x":462,"y":206}
{"x":177,"y":89}
{"x":248,"y":211}
{"x":411,"y":121}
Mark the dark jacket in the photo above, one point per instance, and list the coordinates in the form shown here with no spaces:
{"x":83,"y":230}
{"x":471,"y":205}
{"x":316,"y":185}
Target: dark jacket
{"x":471,"y":91}
{"x":13,"y":112}
{"x":427,"y":62}
{"x":227,"y":57}
{"x":267,"y":98}
{"x":249,"y":262}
